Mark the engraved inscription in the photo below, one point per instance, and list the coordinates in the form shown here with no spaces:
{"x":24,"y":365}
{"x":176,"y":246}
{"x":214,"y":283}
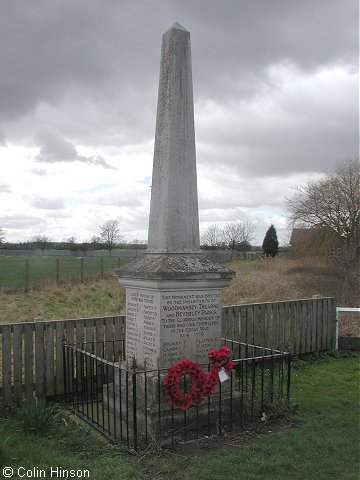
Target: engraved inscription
{"x":165,"y":326}
{"x":142,"y":327}
{"x":190,"y":324}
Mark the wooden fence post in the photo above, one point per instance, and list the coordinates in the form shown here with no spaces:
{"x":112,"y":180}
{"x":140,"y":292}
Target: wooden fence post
{"x":60,"y":338}
{"x":50,"y":358}
{"x":26,"y":274}
{"x":57,"y":271}
{"x":40,"y":363}
{"x":6,"y":362}
{"x":82,"y":270}
{"x":17,"y":360}
{"x":102,"y":267}
{"x":28,"y":359}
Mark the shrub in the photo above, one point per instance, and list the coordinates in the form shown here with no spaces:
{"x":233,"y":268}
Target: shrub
{"x":37,"y":419}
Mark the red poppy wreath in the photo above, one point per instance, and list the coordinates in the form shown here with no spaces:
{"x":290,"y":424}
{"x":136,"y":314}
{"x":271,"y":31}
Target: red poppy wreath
{"x":203,"y":384}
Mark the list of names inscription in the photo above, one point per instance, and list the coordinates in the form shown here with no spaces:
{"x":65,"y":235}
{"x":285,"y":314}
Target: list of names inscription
{"x":190,"y":324}
{"x":165,"y":326}
{"x":142,"y":327}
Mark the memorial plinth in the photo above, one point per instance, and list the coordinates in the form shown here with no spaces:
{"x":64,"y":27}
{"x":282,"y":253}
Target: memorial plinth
{"x":173,"y":309}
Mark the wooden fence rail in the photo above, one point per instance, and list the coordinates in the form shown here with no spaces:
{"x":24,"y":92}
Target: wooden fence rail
{"x":32,"y":353}
{"x":296,"y":326}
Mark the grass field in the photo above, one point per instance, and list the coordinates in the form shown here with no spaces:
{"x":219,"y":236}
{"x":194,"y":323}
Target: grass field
{"x":97,"y":298}
{"x":48,"y":269}
{"x":59,"y":267}
{"x":320,"y":442}
{"x":256,"y":281}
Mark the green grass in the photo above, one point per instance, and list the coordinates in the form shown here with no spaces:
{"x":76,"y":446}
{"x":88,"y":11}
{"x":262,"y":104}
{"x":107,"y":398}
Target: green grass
{"x":323,"y":444}
{"x":93,"y":299}
{"x":43,"y":269}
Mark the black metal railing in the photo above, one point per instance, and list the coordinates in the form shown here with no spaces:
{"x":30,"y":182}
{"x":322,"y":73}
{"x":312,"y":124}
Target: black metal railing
{"x":131,"y":407}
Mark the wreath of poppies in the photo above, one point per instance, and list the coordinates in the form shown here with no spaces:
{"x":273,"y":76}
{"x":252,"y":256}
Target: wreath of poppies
{"x":203,"y":385}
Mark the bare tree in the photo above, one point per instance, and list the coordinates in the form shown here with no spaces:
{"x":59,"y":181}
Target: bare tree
{"x":212,"y":236}
{"x":332,"y":203}
{"x":110,"y":234}
{"x":238,"y":233}
{"x":42,"y":241}
{"x":2,"y":236}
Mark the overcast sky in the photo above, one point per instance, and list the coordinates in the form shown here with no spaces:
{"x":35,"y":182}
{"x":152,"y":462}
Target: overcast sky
{"x":276,"y":103}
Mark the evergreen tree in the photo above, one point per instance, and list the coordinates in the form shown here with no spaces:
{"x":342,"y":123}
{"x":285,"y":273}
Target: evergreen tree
{"x":270,"y":244}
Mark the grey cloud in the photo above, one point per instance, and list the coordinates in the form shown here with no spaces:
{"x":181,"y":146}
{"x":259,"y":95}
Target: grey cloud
{"x":5,"y":188}
{"x":137,"y":220}
{"x":121,"y":200}
{"x":245,"y":38}
{"x":21,"y":222}
{"x":133,"y":199}
{"x":86,"y":73}
{"x":53,"y":51}
{"x":96,"y":160}
{"x":302,"y":132}
{"x":50,"y":49}
{"x":47,"y":203}
{"x":240,"y":192}
{"x":57,"y":214}
{"x":54,"y":148}
{"x":41,"y":172}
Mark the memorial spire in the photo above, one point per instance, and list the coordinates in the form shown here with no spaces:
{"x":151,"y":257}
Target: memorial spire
{"x":174,"y":221}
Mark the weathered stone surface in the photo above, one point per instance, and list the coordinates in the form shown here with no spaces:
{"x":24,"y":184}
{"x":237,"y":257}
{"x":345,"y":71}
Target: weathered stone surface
{"x":174,"y":222}
{"x":160,"y":267}
{"x":173,"y":293}
{"x":165,"y":326}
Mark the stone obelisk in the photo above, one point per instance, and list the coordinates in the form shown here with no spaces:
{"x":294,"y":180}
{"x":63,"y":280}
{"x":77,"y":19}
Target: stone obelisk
{"x":173,"y":293}
{"x":174,"y":221}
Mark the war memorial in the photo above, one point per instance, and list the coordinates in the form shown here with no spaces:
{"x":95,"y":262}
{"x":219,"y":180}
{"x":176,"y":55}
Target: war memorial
{"x":174,"y":377}
{"x":173,"y":293}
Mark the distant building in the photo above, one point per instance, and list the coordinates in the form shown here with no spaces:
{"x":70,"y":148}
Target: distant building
{"x":321,"y":241}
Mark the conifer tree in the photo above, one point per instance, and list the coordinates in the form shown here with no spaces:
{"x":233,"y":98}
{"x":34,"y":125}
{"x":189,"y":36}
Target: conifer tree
{"x":270,"y":244}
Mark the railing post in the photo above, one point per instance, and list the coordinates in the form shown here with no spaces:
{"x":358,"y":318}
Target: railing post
{"x":337,"y":329}
{"x":288,"y":379}
{"x":65,"y":373}
{"x":134,"y":411}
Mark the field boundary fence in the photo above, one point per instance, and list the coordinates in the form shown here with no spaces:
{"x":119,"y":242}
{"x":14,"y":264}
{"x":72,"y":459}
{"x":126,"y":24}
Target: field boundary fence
{"x":26,"y":272}
{"x":32,"y":353}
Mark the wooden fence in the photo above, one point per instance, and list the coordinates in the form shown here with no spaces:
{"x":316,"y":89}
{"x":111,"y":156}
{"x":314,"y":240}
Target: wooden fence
{"x":296,"y":326}
{"x":32,"y":353}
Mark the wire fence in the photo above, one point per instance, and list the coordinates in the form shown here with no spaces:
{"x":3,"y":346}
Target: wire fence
{"x":25,"y":273}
